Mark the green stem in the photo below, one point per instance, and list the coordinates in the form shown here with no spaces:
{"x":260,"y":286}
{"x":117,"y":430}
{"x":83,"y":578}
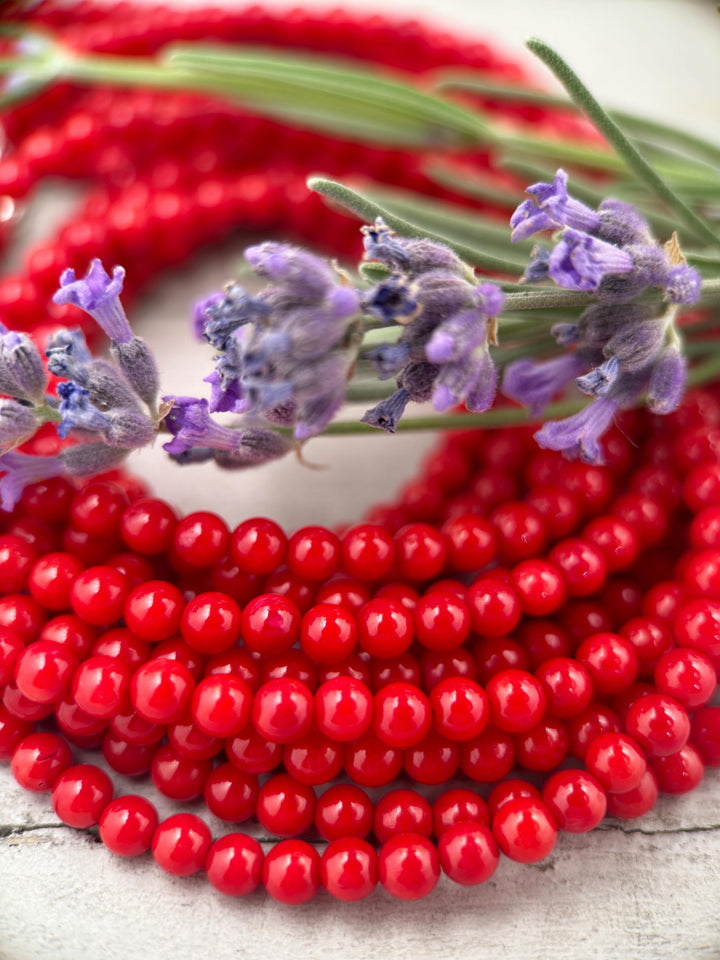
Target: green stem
{"x":617,"y":139}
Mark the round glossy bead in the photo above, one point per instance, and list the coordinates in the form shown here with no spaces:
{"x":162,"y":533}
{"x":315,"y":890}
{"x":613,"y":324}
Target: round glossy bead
{"x":221,"y":705}
{"x":520,"y":531}
{"x":439,"y":665}
{"x":17,"y":560}
{"x":23,"y":615}
{"x":588,"y":725}
{"x":706,"y":735}
{"x":384,"y":628}
{"x":616,"y":761}
{"x":270,"y":624}
{"x":211,"y":623}
{"x":127,"y":825}
{"x":567,"y":685}
{"x":181,"y":843}
{"x":650,"y":639}
{"x":368,"y":552}
{"x":258,"y":545}
{"x":231,"y":794}
{"x":470,"y":541}
{"x":616,"y":541}
{"x":460,"y":708}
{"x":291,"y":872}
{"x":12,"y":731}
{"x":697,"y":625}
{"x":314,"y":759}
{"x":98,"y":595}
{"x":442,"y":621}
{"x":349,"y":869}
{"x":508,"y":790}
{"x":11,"y":646}
{"x":80,"y":794}
{"x":539,"y":587}
{"x":294,"y":663}
{"x":575,"y":799}
{"x":343,"y":708}
{"x":44,"y":671}
{"x":496,"y":654}
{"x":468,"y":853}
{"x":147,"y":526}
{"x":97,"y":509}
{"x":610,"y":660}
{"x":69,"y":631}
{"x":517,"y":700}
{"x":328,"y":633}
{"x":494,"y":607}
{"x":402,"y":811}
{"x":679,"y":772}
{"x":420,"y":552}
{"x":241,"y":662}
{"x":343,"y":810}
{"x":409,"y":866}
{"x":51,"y":578}
{"x":489,"y":757}
{"x":201,"y":539}
{"x":401,"y":715}
{"x":525,"y":830}
{"x":39,"y":760}
{"x":687,"y":675}
{"x":285,"y":807}
{"x":178,"y":777}
{"x":313,"y":553}
{"x":283,"y":710}
{"x":636,"y":802}
{"x":153,"y":610}
{"x":176,"y":649}
{"x":19,"y":706}
{"x":252,"y":753}
{"x":371,"y":762}
{"x":343,"y":592}
{"x":405,"y":668}
{"x":192,"y":742}
{"x":659,"y":724}
{"x":543,"y":747}
{"x":458,"y":806}
{"x":234,"y":864}
{"x":582,"y":566}
{"x":101,"y":685}
{"x":161,"y":690}
{"x":663,"y":600}
{"x":434,"y":760}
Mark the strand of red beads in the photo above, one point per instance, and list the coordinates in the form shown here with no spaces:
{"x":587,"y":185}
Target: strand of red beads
{"x":511,"y":608}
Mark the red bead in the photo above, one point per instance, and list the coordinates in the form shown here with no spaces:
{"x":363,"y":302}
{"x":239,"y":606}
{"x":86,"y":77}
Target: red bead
{"x":221,"y":705}
{"x":520,"y":532}
{"x":270,"y":624}
{"x":190,"y":741}
{"x":442,"y":621}
{"x":582,"y":566}
{"x":587,"y":726}
{"x":17,"y":558}
{"x":434,"y":760}
{"x":283,"y":710}
{"x":439,"y":665}
{"x":127,"y":825}
{"x":687,"y":675}
{"x":39,"y":760}
{"x":291,"y":872}
{"x":122,"y":644}
{"x":470,"y":541}
{"x":240,"y":661}
{"x":283,"y":583}
{"x":80,"y":794}
{"x":343,"y":708}
{"x":71,"y":632}
{"x":458,"y":806}
{"x":643,"y":515}
{"x":313,"y":553}
{"x":460,"y":708}
{"x":701,"y":487}
{"x":178,"y":777}
{"x":494,"y":607}
{"x":252,"y":753}
{"x":567,"y":685}
{"x":153,"y":610}
{"x":610,"y":660}
{"x":517,"y":700}
{"x":575,"y":799}
{"x":543,"y":747}
{"x":420,"y":552}
{"x":286,"y":807}
{"x":201,"y":539}
{"x":343,"y":811}
{"x":404,"y":668}
{"x":328,"y":633}
{"x":402,"y":811}
{"x":12,"y":731}
{"x":368,"y":552}
{"x":497,"y":654}
{"x":349,"y":869}
{"x":372,"y":763}
{"x":234,"y":864}
{"x":44,"y":671}
{"x":704,"y":531}
{"x":679,"y":772}
{"x":615,"y":539}
{"x":23,"y":615}
{"x":401,"y":593}
{"x":343,"y":592}
{"x":616,"y":761}
{"x":582,"y":618}
{"x":539,"y":587}
{"x":147,"y":526}
{"x":636,"y":802}
{"x":181,"y":843}
{"x":468,"y":853}
{"x":385,"y":628}
{"x":97,"y":509}
{"x":231,"y":794}
{"x":294,"y":664}
{"x":409,"y":866}
{"x":258,"y":546}
{"x":558,"y":511}
{"x":98,"y":595}
{"x":697,"y":625}
{"x":507,"y":790}
{"x":706,"y":735}
{"x":525,"y":830}
{"x":659,"y":724}
{"x":489,"y":757}
{"x":101,"y":685}
{"x":211,"y":623}
{"x":11,"y":646}
{"x":314,"y":759}
{"x":176,"y":649}
{"x":401,"y":715}
{"x":161,"y":690}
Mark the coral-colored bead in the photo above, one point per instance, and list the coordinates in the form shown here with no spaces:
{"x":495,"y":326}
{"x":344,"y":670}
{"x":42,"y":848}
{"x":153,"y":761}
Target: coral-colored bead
{"x":80,"y":794}
{"x":122,"y":644}
{"x":161,"y":690}
{"x":192,"y":742}
{"x":539,"y":587}
{"x":314,"y":759}
{"x":409,"y":866}
{"x":211,"y":623}
{"x":98,"y":595}
{"x":575,"y":799}
{"x":687,"y":675}
{"x":313,"y":553}
{"x":401,"y":715}
{"x":11,"y":646}
{"x":468,"y":853}
{"x":705,"y":735}
{"x":460,"y":708}
{"x":349,"y":869}
{"x":44,"y":671}
{"x":51,"y":578}
{"x":544,"y":746}
{"x":291,"y":872}
{"x":420,"y":552}
{"x":23,"y":615}
{"x":458,"y":806}
{"x":372,"y":763}
{"x":610,"y":660}
{"x":231,"y":794}
{"x":402,"y":811}
{"x":258,"y":546}
{"x":434,"y":760}
{"x":616,"y":761}
{"x":181,"y":843}
{"x":286,"y":807}
{"x":234,"y":864}
{"x":343,"y":708}
{"x":567,"y":685}
{"x":39,"y":760}
{"x":494,"y":607}
{"x":507,"y":790}
{"x":252,"y":753}
{"x":679,"y":772}
{"x":517,"y":700}
{"x":525,"y":830}
{"x":442,"y":621}
{"x":17,"y":559}
{"x":471,"y":542}
{"x":697,"y":625}
{"x":201,"y":539}
{"x":283,"y":710}
{"x":343,"y":810}
{"x":368,"y":552}
{"x":178,"y":777}
{"x":127,"y":825}
{"x":12,"y":731}
{"x":147,"y":526}
{"x":489,"y":756}
{"x":100,"y":686}
{"x":221,"y":705}
{"x":659,"y":724}
{"x":636,"y":802}
{"x":385,"y":628}
{"x":328,"y":633}
{"x":153,"y":610}
{"x":270,"y":624}
{"x":582,"y":566}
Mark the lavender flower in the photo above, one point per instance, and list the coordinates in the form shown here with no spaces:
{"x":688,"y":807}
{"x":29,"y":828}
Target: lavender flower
{"x":581,"y":262}
{"x":20,"y":470}
{"x":77,"y":411}
{"x":200,"y":313}
{"x":87,"y":459}
{"x":99,"y":295}
{"x":682,"y":284}
{"x":599,"y":381}
{"x":17,"y":423}
{"x":387,"y":413}
{"x":538,"y":265}
{"x":229,"y":311}
{"x":667,"y":381}
{"x":388,"y":358}
{"x":21,"y":369}
{"x":551,"y":208}
{"x":579,"y":435}
{"x":408,"y":256}
{"x":535,"y":384}
{"x":135,"y":359}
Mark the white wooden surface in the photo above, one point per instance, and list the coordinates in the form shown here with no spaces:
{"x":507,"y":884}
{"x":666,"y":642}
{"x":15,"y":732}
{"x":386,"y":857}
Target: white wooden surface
{"x":638,"y":889}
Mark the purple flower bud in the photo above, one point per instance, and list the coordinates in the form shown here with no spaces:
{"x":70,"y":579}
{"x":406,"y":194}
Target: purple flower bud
{"x":66,"y":350}
{"x":579,"y":435}
{"x":598,"y":382}
{"x":306,"y":276}
{"x":529,"y":219}
{"x":258,"y":445}
{"x":621,"y":224}
{"x":418,"y":378}
{"x":489,"y":299}
{"x":667,"y":380}
{"x":581,"y":262}
{"x":129,"y":429}
{"x":193,"y":455}
{"x":638,"y":344}
{"x":535,"y":384}
{"x":482,"y":395}
{"x":565,"y":334}
{"x":409,"y":256}
{"x":381,"y":243}
{"x":682,"y":284}
{"x":388,"y":358}
{"x":316,"y":411}
{"x":553,"y":208}
{"x":77,"y":411}
{"x":472,"y":379}
{"x":136,"y":361}
{"x":537,"y":268}
{"x":87,"y":459}
{"x":226,"y":398}
{"x":649,"y":269}
{"x":21,"y":368}
{"x":457,"y":337}
{"x":200,"y":313}
{"x":600,"y":322}
{"x":394,"y":300}
{"x":232,"y":310}
{"x":386,"y":415}
{"x":108,"y":386}
{"x":98,"y":295}
{"x":17,"y":423}
{"x":21,"y":469}
{"x":190,"y":424}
